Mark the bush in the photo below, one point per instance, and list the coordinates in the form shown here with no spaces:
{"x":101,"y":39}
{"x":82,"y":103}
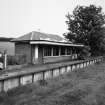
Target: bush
{"x":43,"y":82}
{"x":16,"y":59}
{"x":84,"y":53}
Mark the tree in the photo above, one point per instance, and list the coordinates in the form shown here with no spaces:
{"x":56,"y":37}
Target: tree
{"x":86,"y":26}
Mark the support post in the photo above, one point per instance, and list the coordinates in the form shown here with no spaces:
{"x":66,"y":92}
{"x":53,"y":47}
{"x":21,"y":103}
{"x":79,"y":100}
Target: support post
{"x":36,"y":54}
{"x":65,"y":51}
{"x":59,"y":51}
{"x":52,"y":51}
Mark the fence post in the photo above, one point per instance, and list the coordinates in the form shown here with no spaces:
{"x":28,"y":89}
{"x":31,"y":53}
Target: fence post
{"x":2,"y":85}
{"x":5,"y":59}
{"x":19,"y":81}
{"x":71,"y":67}
{"x":43,"y":75}
{"x":65,"y":68}
{"x":32,"y":77}
{"x":59,"y":70}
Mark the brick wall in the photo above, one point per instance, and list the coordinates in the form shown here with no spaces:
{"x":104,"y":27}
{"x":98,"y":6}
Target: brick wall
{"x":25,"y":49}
{"x":56,"y":59}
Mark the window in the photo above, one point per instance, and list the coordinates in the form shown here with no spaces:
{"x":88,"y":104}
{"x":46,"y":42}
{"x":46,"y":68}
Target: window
{"x":47,"y":51}
{"x":68,"y":51}
{"x":56,"y":51}
{"x":74,"y":50}
{"x":62,"y":50}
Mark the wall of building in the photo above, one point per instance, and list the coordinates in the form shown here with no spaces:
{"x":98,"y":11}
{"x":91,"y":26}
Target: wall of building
{"x":24,"y":49}
{"x":59,"y":58}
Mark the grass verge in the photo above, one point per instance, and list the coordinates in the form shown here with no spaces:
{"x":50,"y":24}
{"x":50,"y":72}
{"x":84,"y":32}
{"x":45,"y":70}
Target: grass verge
{"x":80,"y":87}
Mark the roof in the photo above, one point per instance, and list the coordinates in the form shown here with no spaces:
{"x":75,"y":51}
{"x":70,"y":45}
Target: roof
{"x":37,"y":36}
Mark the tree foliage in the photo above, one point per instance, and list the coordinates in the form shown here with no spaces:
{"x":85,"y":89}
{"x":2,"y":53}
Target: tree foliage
{"x":86,"y":26}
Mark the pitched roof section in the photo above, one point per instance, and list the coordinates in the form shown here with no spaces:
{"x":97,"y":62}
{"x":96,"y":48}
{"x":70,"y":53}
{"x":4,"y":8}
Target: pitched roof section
{"x":34,"y":35}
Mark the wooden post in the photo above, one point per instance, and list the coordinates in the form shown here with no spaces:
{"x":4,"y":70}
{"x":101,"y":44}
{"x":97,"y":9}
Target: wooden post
{"x":71,"y":67}
{"x":43,"y":75}
{"x":19,"y":80}
{"x":2,"y":85}
{"x":5,"y":59}
{"x":52,"y":73}
{"x":65,"y":68}
{"x":59,"y":70}
{"x":32,"y":77}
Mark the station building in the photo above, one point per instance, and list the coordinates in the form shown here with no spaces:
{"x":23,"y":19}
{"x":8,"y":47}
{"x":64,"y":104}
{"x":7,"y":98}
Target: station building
{"x":45,"y":48}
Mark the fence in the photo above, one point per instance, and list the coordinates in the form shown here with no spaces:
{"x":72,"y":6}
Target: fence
{"x":12,"y":81}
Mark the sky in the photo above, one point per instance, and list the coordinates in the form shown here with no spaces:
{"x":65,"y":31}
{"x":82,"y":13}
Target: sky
{"x":18,"y":17}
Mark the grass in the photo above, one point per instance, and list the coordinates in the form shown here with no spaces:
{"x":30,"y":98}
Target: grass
{"x":80,"y":87}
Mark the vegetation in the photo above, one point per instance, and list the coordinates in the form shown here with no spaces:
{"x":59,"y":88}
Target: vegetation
{"x":5,"y":39}
{"x":87,"y":26}
{"x":80,"y":87}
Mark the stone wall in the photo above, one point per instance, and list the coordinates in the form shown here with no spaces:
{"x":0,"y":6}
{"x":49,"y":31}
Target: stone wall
{"x":13,"y":81}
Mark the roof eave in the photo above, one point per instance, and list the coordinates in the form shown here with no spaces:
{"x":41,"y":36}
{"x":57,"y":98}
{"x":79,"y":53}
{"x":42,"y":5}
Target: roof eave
{"x":55,"y":43}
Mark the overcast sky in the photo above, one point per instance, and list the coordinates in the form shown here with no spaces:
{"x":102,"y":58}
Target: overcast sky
{"x":18,"y":17}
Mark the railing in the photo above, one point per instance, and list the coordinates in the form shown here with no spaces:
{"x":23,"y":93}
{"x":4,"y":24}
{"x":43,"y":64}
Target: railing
{"x":17,"y":80}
